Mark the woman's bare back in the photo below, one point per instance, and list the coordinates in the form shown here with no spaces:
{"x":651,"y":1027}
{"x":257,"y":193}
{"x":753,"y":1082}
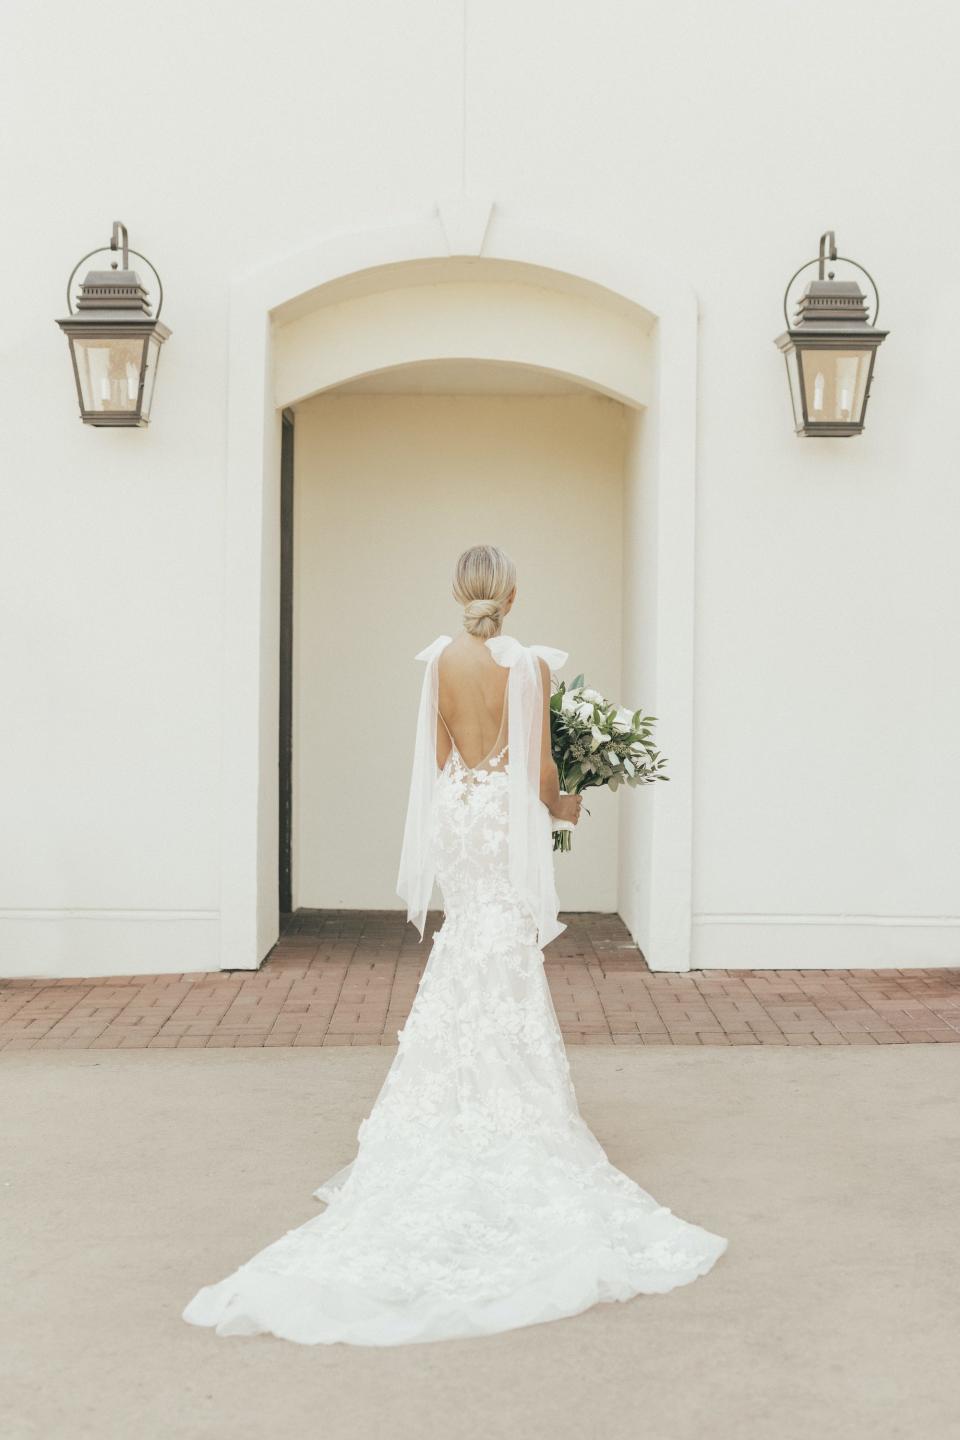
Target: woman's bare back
{"x":472,"y":698}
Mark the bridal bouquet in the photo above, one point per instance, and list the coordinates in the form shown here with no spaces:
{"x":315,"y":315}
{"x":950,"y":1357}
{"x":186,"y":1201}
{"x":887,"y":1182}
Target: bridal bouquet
{"x":596,"y":743}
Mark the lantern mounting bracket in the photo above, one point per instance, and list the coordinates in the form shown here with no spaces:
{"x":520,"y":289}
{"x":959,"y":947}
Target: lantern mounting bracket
{"x":118,"y":240}
{"x":118,"y":228}
{"x":821,"y":260}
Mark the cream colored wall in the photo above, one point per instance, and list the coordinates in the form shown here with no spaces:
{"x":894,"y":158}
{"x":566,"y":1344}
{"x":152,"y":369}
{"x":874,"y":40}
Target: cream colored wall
{"x":389,"y":490}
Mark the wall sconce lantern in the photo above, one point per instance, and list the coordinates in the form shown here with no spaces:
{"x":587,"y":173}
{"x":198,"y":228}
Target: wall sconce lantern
{"x":114,"y":340}
{"x":830,"y":349}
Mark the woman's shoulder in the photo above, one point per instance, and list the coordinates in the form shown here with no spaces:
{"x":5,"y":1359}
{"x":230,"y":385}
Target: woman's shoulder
{"x":431,"y":651}
{"x":505,"y":649}
{"x":552,"y":656}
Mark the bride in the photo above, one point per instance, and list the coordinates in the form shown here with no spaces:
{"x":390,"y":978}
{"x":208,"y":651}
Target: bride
{"x":478,"y":1199}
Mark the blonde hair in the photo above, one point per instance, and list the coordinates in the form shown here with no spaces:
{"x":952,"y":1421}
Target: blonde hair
{"x":482,"y":581}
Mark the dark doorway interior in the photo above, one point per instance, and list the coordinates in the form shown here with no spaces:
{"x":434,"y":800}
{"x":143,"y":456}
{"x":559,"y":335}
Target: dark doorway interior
{"x":286,"y":663}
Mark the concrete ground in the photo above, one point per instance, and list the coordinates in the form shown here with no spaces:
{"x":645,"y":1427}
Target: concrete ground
{"x":130,"y":1178}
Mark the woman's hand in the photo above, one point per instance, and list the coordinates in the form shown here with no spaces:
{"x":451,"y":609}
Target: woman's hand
{"x":568,"y":808}
{"x":560,"y":806}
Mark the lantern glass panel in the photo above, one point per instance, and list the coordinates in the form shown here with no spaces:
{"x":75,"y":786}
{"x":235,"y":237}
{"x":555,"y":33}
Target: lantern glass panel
{"x":796,"y":396}
{"x":108,"y":369}
{"x":150,"y":375}
{"x":835,"y":384}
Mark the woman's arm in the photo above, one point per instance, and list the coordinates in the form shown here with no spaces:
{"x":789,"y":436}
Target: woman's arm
{"x":563,"y":807}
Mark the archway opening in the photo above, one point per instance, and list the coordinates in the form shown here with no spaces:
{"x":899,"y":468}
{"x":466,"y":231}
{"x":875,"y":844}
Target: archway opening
{"x":538,"y":320}
{"x":395,"y":474}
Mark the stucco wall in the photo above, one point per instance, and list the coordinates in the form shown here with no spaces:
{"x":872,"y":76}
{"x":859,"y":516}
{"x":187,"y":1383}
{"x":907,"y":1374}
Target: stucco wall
{"x":827,"y":773}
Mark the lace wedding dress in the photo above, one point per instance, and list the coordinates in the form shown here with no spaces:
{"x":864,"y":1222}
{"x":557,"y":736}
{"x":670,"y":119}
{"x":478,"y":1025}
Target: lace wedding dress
{"x":478,"y":1200}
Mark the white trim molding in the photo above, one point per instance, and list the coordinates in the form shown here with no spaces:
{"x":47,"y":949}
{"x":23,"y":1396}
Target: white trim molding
{"x":516,"y":248}
{"x":825,"y":942}
{"x":52,"y":944}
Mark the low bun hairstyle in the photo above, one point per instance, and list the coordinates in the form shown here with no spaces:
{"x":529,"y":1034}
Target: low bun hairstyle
{"x":482,"y":581}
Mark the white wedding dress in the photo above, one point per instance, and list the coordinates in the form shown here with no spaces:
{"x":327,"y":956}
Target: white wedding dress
{"x":478,"y":1200}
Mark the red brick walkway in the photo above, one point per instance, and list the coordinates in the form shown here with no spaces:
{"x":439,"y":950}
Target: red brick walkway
{"x":348,"y":978}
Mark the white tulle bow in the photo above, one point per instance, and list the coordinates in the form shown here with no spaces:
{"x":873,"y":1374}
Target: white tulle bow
{"x":506,"y":649}
{"x":434,"y":648}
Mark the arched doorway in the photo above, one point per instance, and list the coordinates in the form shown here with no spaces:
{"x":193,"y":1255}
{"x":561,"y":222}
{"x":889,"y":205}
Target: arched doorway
{"x":524,"y":303}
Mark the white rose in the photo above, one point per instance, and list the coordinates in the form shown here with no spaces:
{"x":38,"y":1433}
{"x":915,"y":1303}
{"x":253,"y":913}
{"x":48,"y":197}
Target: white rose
{"x":623,"y":720}
{"x":569,"y":704}
{"x":584,"y":710}
{"x":592,"y":695}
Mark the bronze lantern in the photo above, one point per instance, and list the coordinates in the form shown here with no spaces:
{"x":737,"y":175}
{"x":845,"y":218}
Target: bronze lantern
{"x":114,"y":339}
{"x":830,"y":349}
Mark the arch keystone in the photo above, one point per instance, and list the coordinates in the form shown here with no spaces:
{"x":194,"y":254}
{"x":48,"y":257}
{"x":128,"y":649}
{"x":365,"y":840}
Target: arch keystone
{"x":465,"y":220}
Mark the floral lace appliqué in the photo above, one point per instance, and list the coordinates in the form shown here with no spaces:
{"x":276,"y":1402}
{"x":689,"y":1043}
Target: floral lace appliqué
{"x":478,"y":1199}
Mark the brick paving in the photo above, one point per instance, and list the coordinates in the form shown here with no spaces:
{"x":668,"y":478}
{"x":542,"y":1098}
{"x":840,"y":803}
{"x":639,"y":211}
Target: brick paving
{"x":348,"y":978}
